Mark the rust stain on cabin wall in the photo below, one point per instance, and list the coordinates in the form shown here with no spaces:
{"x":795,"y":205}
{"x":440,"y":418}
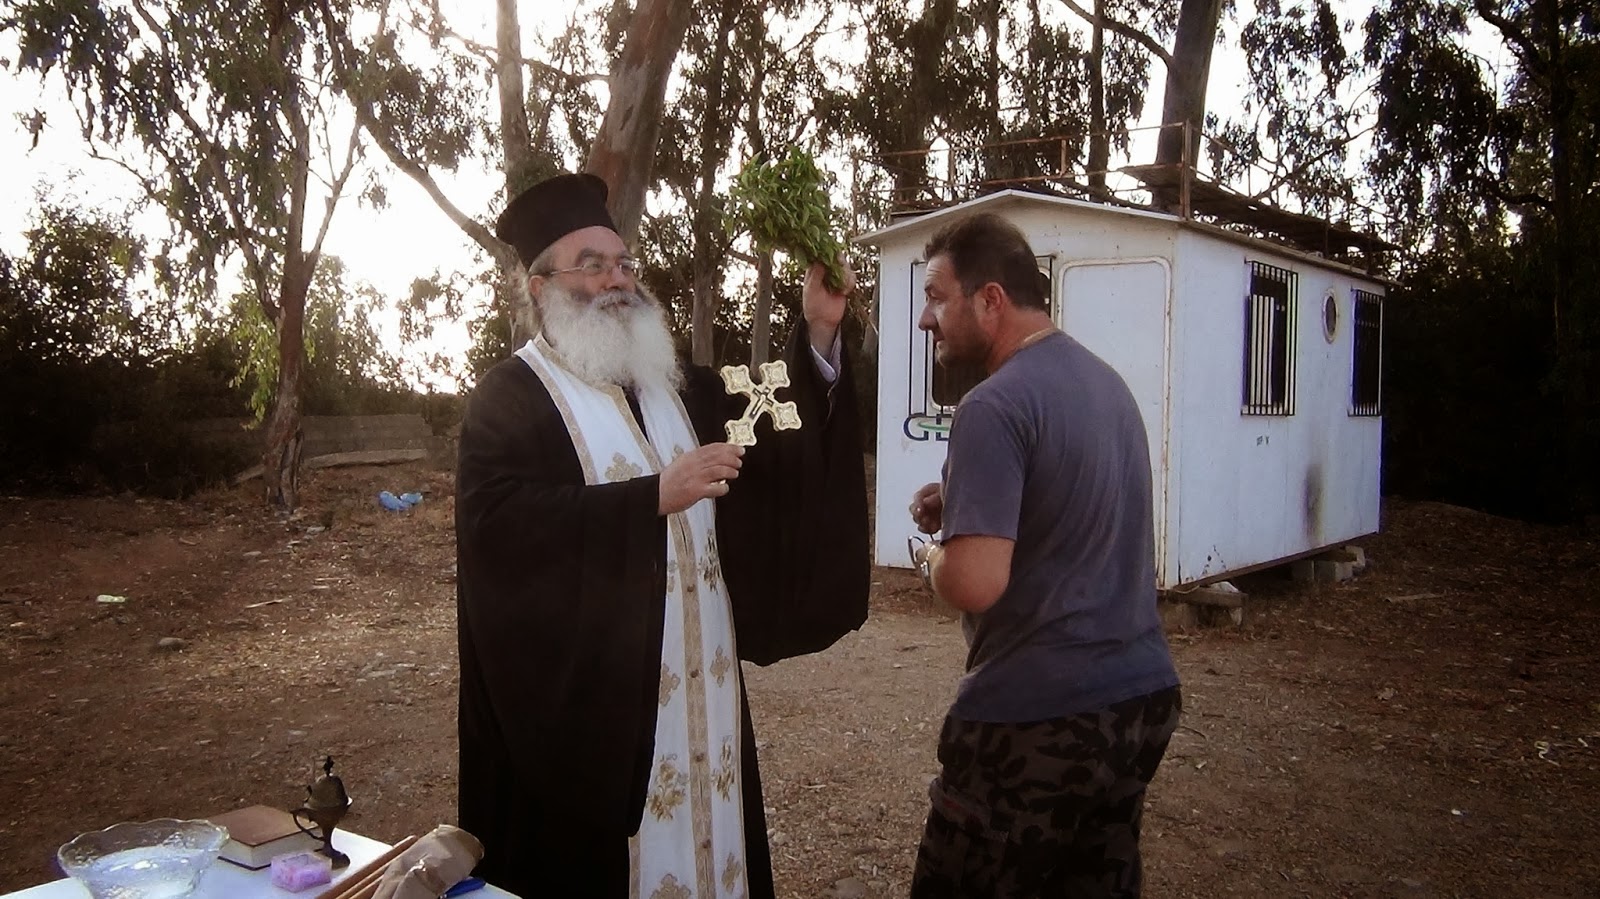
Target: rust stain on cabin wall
{"x":1311,"y":505}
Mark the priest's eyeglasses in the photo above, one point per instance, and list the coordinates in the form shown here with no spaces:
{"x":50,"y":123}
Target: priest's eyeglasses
{"x":594,"y":267}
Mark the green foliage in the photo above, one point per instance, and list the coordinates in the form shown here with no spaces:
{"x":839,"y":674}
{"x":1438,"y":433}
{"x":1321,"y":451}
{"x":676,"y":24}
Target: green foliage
{"x":1495,"y":359}
{"x":95,"y":386}
{"x":202,"y":88}
{"x":490,"y":336}
{"x":100,"y":393}
{"x":785,"y":203}
{"x":1470,"y":417}
{"x":347,"y":368}
{"x":1434,"y":122}
{"x":428,"y":102}
{"x":72,"y":298}
{"x":996,"y":74}
{"x":225,"y":112}
{"x":257,"y":341}
{"x":1298,"y":119}
{"x":666,"y":251}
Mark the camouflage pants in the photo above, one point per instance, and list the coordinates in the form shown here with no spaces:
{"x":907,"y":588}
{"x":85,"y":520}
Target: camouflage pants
{"x":1043,"y":809}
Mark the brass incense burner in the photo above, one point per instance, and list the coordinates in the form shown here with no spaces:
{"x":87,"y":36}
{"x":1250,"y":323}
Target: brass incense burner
{"x":326,"y":805}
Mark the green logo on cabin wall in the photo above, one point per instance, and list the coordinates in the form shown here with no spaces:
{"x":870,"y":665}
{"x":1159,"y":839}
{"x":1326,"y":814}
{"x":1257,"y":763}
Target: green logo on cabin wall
{"x":922,"y":428}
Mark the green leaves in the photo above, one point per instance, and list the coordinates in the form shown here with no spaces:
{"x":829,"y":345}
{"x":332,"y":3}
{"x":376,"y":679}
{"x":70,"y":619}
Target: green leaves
{"x":785,"y":205}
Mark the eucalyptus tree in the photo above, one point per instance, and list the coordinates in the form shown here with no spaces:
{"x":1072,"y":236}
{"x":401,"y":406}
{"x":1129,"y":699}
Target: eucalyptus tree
{"x":1501,"y":165}
{"x":792,"y":56}
{"x":225,"y":113}
{"x":543,"y":118}
{"x":1296,"y":120}
{"x":1001,"y":74}
{"x":751,"y":81}
{"x":1304,"y":109}
{"x":697,"y":134}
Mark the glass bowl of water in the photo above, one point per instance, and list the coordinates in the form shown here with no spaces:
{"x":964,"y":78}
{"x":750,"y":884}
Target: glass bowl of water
{"x":161,"y":859}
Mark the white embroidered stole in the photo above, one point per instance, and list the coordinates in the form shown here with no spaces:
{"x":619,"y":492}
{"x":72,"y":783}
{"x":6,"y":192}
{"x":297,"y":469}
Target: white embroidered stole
{"x":691,"y":840}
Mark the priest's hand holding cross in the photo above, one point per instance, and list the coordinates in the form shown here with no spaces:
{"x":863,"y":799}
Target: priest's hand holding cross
{"x":703,"y":473}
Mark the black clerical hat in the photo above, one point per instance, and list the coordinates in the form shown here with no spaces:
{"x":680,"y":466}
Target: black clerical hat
{"x":550,"y":210}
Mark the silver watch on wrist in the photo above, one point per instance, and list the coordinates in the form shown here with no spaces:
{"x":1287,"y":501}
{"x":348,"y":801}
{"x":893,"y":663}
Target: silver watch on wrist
{"x":921,"y":557}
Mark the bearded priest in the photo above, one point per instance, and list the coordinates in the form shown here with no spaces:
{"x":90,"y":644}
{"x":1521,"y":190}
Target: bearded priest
{"x":616,"y":560}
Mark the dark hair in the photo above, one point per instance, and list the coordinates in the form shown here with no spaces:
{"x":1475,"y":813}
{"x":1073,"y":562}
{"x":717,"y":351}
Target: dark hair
{"x":985,"y":248}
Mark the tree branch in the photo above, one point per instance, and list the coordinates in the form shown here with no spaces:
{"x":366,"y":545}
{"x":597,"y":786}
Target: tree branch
{"x":1527,"y":198}
{"x":213,"y":156}
{"x":473,"y":228}
{"x":1289,"y":176}
{"x":807,"y":42}
{"x":336,"y":189}
{"x":543,"y":131}
{"x":1127,"y":31}
{"x":1525,"y":46}
{"x":152,"y":192}
{"x":339,"y":45}
{"x":489,"y":55}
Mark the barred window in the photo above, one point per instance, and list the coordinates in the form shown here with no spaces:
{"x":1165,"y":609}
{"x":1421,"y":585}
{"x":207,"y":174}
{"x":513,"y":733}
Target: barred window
{"x":1271,"y":313}
{"x":1366,"y":365}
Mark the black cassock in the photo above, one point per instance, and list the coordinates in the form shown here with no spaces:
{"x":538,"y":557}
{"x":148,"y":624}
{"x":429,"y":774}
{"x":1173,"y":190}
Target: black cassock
{"x":560,"y":601}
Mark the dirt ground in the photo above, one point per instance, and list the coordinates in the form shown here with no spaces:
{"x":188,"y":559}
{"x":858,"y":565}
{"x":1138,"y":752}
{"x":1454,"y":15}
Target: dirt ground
{"x":1430,"y":729}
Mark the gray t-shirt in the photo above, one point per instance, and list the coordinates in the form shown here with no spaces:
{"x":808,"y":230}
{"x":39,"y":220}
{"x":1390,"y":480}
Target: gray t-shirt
{"x":1050,"y":452}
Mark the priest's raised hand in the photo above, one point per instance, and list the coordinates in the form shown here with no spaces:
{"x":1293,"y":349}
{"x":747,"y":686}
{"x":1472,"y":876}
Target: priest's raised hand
{"x":822,"y":307}
{"x":699,"y":474}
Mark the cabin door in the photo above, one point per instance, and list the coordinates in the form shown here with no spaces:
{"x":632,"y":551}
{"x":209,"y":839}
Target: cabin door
{"x":1118,"y":310}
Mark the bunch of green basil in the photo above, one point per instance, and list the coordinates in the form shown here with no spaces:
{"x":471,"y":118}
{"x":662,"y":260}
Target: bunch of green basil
{"x":784,"y":203}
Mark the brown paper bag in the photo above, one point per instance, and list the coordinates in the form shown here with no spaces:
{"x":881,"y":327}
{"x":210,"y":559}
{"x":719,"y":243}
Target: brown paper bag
{"x":434,"y":864}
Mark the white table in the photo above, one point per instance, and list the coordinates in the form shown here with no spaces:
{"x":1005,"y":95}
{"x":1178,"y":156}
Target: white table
{"x":228,"y":881}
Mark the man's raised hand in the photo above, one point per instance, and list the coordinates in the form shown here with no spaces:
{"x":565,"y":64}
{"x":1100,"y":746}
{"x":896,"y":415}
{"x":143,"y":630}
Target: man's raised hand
{"x":697,"y":475}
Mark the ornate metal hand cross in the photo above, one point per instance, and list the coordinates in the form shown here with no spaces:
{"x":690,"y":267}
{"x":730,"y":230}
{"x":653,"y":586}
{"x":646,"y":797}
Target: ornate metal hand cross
{"x":763,"y":400}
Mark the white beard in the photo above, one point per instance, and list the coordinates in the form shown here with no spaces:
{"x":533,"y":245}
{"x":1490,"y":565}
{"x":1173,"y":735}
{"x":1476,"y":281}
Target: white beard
{"x":615,"y":337}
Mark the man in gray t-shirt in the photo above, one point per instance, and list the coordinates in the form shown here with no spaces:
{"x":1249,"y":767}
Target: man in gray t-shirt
{"x":1045,"y":511}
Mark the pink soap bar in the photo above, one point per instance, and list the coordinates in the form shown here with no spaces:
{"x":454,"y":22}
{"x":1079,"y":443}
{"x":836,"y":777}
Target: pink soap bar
{"x":301,"y":871}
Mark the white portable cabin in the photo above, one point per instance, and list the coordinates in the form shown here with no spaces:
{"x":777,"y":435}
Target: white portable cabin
{"x":1256,"y":368}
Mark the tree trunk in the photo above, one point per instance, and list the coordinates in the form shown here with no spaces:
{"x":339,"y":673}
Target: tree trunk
{"x":517,"y":145}
{"x":991,"y":87}
{"x":1185,"y":99}
{"x":515,"y":139}
{"x":280,"y":464}
{"x":708,"y":239}
{"x":703,"y":318}
{"x":761,"y":309}
{"x":1571,"y":367}
{"x":761,"y":315}
{"x":929,"y":38}
{"x":1099,"y":138}
{"x":623,"y":153}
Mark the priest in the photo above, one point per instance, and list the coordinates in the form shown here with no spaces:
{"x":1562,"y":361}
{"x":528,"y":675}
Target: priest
{"x":616,"y":559}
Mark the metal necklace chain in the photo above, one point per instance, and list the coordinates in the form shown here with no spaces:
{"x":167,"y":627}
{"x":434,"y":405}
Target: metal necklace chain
{"x":1029,"y":341}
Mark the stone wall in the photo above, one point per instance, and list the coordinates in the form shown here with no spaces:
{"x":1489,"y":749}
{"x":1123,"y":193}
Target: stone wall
{"x":327,"y":434}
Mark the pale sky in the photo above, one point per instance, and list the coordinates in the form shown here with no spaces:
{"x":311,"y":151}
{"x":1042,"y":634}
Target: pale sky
{"x":409,"y":239}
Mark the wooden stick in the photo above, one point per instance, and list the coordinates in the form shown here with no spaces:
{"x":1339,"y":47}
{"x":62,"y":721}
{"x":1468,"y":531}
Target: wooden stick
{"x":370,"y":889}
{"x":357,"y":884}
{"x":369,"y":874}
{"x":364,"y":883}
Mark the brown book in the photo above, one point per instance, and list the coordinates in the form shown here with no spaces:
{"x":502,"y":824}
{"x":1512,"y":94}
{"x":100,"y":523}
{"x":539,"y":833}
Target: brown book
{"x":259,"y":833}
